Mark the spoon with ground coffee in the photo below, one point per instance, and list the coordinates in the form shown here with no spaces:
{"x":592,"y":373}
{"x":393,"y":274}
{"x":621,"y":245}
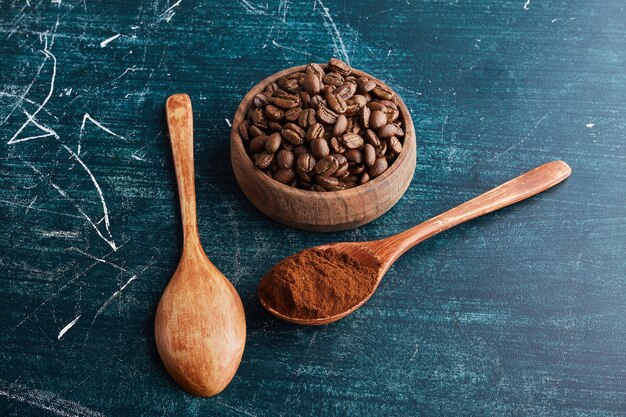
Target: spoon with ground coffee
{"x":326,"y":283}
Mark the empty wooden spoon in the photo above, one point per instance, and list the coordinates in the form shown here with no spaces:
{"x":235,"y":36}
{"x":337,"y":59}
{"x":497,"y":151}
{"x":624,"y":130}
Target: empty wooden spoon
{"x":200,"y":326}
{"x":381,"y":254}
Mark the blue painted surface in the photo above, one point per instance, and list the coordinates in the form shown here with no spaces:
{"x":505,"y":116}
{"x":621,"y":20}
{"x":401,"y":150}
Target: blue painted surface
{"x":519,"y":313}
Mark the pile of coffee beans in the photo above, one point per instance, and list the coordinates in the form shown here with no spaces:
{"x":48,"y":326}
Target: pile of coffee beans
{"x":323,"y":129}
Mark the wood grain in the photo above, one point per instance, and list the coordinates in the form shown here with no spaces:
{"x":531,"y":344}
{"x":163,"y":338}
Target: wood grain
{"x":326,"y":211}
{"x":519,"y":313}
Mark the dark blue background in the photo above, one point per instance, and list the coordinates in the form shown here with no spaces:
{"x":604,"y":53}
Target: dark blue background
{"x":520,"y":313}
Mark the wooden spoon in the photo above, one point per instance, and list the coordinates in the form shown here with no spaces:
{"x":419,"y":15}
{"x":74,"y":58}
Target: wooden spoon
{"x":381,"y":254}
{"x":200,"y":326}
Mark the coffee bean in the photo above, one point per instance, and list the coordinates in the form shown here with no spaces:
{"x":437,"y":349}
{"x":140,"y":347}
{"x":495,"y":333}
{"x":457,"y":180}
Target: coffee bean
{"x":264,"y":160}
{"x":387,"y":131}
{"x":299,"y":150}
{"x":336,"y":103}
{"x":271,"y":88}
{"x":286,"y":101}
{"x":285,"y":159}
{"x":258,"y":118}
{"x":312,"y":84}
{"x":305,"y":177}
{"x":394,"y":145}
{"x":354,"y":155}
{"x":273,"y":113}
{"x":339,"y":66}
{"x":391,"y":113}
{"x":369,"y":154}
{"x":306,"y":162}
{"x":341,"y":159}
{"x":257,"y":144}
{"x":378,"y":119}
{"x":341,"y":171}
{"x":306,"y":118}
{"x":382,"y":93}
{"x":292,"y":115}
{"x":376,"y":105}
{"x":371,"y":138}
{"x":356,"y":169}
{"x":284,"y":175}
{"x":288,"y":84}
{"x":364,"y":178}
{"x":261,"y":100}
{"x":378,"y":168}
{"x":345,"y":90}
{"x":316,"y":130}
{"x":314,"y":68}
{"x":340,"y":125}
{"x":364,"y":117}
{"x":242,"y":129}
{"x":352,"y":140}
{"x":366,"y":85}
{"x":336,"y":145}
{"x":319,"y":147}
{"x":333,"y":78}
{"x":315,"y":102}
{"x":325,"y":115}
{"x":272,"y":143}
{"x":329,"y":183}
{"x":326,"y":166}
{"x":293,"y":133}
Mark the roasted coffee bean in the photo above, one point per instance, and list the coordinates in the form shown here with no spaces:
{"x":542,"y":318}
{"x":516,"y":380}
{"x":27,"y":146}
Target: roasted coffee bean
{"x":293,"y":133}
{"x":306,"y":162}
{"x":316,"y":130}
{"x":352,"y":140}
{"x":371,"y":138}
{"x":329,"y":183}
{"x":382,"y":93}
{"x":364,"y":117}
{"x":378,"y":168}
{"x":285,"y":159}
{"x":264,"y":160}
{"x":272,"y":143}
{"x":378,"y":119}
{"x":325,"y":115}
{"x":285,"y":175}
{"x":336,"y":146}
{"x":319,"y":147}
{"x":258,"y":118}
{"x":257,"y":144}
{"x":339,"y":66}
{"x":387,"y":131}
{"x":306,"y":118}
{"x":394,"y":145}
{"x":261,"y":100}
{"x":369,"y":154}
{"x":336,"y":103}
{"x":333,"y":78}
{"x":323,"y":128}
{"x":273,"y":113}
{"x":326,"y":166}
{"x":292,"y":115}
{"x":340,"y":125}
{"x":242,"y":128}
{"x":286,"y":101}
{"x":354,"y":156}
{"x":312,"y":84}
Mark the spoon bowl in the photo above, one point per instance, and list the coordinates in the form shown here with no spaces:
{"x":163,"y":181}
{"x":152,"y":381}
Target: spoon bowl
{"x":381,"y":254}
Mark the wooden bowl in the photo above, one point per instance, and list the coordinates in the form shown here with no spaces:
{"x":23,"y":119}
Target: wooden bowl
{"x":321,"y":211}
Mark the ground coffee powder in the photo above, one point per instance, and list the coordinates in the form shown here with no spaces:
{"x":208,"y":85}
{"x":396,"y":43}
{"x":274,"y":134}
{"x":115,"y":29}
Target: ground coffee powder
{"x":316,"y":283}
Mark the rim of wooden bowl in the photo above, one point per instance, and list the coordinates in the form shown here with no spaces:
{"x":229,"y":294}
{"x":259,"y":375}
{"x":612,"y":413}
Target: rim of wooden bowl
{"x":237,"y":142}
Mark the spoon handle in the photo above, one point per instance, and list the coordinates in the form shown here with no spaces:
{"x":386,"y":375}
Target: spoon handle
{"x":180,"y":124}
{"x":520,"y":188}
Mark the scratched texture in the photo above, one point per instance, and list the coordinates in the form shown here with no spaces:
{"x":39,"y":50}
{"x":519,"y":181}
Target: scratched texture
{"x":520,"y":313}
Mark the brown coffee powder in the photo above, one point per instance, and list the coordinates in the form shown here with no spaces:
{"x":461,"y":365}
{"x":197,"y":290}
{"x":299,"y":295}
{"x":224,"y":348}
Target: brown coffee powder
{"x":316,"y":283}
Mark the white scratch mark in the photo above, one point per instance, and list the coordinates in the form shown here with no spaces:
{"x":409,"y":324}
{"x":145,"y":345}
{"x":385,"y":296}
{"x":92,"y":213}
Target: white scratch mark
{"x":330,"y":23}
{"x":31,"y":204}
{"x":57,"y":2}
{"x":67,"y":327}
{"x":31,"y":117}
{"x":251,"y":8}
{"x":45,"y":400}
{"x":526,"y":5}
{"x":61,"y":233}
{"x":98,"y":124}
{"x":109,"y":40}
{"x":417,"y":348}
{"x":101,"y":260}
{"x":112,"y":297}
{"x":228,"y":123}
{"x":63,"y":194}
{"x":554,"y":20}
{"x":137,"y":157}
{"x":169,"y":12}
{"x":590,"y":125}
